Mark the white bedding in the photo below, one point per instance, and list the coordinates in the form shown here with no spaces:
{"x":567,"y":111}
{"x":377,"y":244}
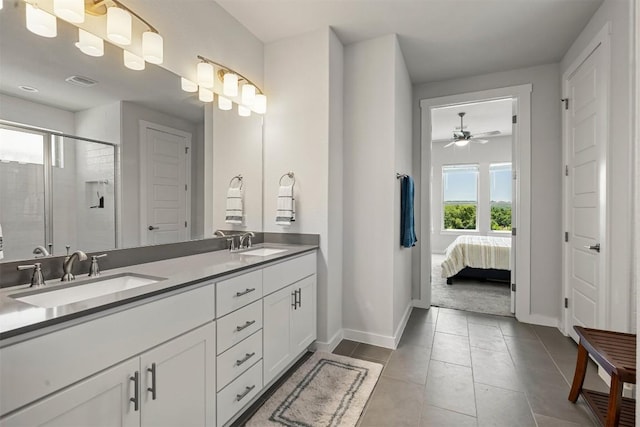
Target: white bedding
{"x":477,"y":252}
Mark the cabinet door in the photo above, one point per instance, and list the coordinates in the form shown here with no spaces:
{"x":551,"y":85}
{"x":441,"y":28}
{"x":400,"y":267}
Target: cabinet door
{"x":183,"y":390}
{"x":100,"y":400}
{"x":303,"y":324}
{"x":277,"y":332}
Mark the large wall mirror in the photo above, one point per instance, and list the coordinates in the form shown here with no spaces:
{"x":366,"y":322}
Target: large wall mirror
{"x":96,"y":156}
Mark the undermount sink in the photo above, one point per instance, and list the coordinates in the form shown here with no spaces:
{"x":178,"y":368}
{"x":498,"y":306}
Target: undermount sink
{"x":63,"y":295}
{"x":263,"y":252}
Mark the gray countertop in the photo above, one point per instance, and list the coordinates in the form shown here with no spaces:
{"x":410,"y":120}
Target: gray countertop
{"x":19,"y":318}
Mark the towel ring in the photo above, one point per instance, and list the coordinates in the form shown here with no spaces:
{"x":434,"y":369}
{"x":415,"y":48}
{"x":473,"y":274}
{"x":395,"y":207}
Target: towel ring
{"x":237,"y":177}
{"x":290,"y":175}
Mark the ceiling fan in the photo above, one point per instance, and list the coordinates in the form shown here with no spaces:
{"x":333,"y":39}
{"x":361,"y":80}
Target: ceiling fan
{"x":462,"y":137}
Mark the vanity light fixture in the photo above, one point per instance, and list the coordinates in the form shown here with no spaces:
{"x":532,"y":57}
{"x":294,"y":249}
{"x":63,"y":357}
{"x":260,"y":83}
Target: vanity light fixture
{"x":224,"y":103}
{"x":69,"y":10}
{"x":244,"y":111}
{"x":40,"y":22}
{"x":205,"y":74}
{"x":260,"y":104}
{"x":248,"y":94}
{"x":230,"y":84}
{"x":89,"y":44}
{"x":1,"y":4}
{"x":119,"y":26}
{"x":187,"y":85}
{"x":133,"y":61}
{"x":205,"y":95}
{"x":152,"y":47}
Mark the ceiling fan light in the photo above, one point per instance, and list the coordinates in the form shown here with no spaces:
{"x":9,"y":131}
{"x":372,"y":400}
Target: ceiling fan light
{"x":230,"y":84}
{"x":461,"y":142}
{"x":152,"y":47}
{"x":133,"y":62}
{"x":119,"y":26}
{"x":205,"y":74}
{"x":260,"y":104}
{"x":90,"y":44}
{"x":69,"y":10}
{"x":187,"y":85}
{"x":205,"y":95}
{"x":224,"y":103}
{"x":248,"y":94}
{"x":40,"y":22}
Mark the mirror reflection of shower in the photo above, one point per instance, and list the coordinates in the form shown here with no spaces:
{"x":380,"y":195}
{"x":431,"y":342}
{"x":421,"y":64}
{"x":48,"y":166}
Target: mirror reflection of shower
{"x":55,"y":191}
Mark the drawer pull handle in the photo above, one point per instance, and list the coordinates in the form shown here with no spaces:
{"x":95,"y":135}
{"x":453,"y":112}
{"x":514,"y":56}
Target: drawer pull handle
{"x":246,"y":291}
{"x":245,"y":358}
{"x":294,"y":304}
{"x":299,"y":297}
{"x":153,"y":388}
{"x":246,"y":391}
{"x":136,"y":390}
{"x":245,"y":326}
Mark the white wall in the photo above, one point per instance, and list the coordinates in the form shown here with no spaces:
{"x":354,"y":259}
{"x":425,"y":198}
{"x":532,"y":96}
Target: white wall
{"x":498,"y":149}
{"x":376,"y":124}
{"x":101,"y":123}
{"x":546,"y":171}
{"x":303,"y":76}
{"x":620,"y":14}
{"x":30,"y":113}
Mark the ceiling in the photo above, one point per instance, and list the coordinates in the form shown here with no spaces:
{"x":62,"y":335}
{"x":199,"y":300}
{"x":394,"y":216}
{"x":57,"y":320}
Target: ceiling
{"x":480,"y":117}
{"x":440,"y":39}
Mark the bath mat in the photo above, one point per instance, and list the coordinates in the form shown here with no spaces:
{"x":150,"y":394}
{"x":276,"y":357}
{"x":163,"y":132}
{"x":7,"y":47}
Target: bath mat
{"x":327,"y":390}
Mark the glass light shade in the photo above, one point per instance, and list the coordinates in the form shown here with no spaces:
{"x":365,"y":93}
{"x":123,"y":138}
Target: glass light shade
{"x":205,"y":74}
{"x":89,"y":44}
{"x":1,"y":4}
{"x":244,"y":111}
{"x":119,"y":26}
{"x":224,"y":103}
{"x":187,"y":85}
{"x":461,"y":142}
{"x":248,"y":94}
{"x":69,"y":10}
{"x":230,"y":84}
{"x":152,"y":47}
{"x":133,"y":62}
{"x":205,"y":95}
{"x":260,"y":104}
{"x":40,"y":22}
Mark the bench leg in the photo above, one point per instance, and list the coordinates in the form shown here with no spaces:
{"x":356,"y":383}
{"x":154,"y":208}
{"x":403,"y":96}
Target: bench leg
{"x":615,"y":399}
{"x":581,"y":371}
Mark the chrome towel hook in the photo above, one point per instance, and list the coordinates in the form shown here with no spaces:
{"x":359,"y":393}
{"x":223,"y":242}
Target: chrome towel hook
{"x":291,"y":176}
{"x":238,"y":178}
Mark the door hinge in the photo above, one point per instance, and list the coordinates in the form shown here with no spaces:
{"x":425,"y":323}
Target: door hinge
{"x":514,"y":119}
{"x":514,"y":231}
{"x":515,"y":174}
{"x":566,"y":236}
{"x":185,"y":224}
{"x":186,"y":150}
{"x":566,"y":103}
{"x":513,"y":287}
{"x":566,"y":303}
{"x":566,"y":170}
{"x":185,"y":187}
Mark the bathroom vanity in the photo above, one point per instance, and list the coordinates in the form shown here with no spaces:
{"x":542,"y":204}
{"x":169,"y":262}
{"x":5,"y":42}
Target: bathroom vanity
{"x":194,"y":348}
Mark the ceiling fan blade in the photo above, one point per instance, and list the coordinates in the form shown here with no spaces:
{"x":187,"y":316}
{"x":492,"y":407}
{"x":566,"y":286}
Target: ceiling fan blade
{"x":479,"y":141}
{"x":484,"y":134}
{"x":449,"y":144}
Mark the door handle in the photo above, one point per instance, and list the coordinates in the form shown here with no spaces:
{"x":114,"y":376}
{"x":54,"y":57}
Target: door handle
{"x":136,"y":390}
{"x":152,"y":389}
{"x":595,"y":247}
{"x":151,"y":228}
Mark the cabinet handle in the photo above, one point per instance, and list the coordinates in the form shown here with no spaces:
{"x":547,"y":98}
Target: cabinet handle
{"x":153,"y":387}
{"x":245,"y":326}
{"x":136,"y":390}
{"x":294,"y":304}
{"x":246,"y":291}
{"x":299,"y":292}
{"x":246,"y":391}
{"x":245,"y":358}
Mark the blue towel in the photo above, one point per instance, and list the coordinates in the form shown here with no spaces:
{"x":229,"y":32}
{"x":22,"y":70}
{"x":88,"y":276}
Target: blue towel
{"x":407,"y":226}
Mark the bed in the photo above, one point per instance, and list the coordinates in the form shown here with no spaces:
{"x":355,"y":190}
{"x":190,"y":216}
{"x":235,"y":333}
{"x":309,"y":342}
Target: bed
{"x":478,"y":257}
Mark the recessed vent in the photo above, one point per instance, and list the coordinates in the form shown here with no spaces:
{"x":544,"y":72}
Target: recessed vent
{"x":81,"y":81}
{"x":28,"y":88}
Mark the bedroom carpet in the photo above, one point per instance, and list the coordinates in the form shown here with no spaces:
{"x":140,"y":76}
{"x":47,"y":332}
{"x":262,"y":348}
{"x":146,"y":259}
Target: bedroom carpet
{"x":467,"y":294}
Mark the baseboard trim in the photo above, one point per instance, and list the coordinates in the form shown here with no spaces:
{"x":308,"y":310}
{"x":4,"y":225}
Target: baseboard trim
{"x":370,"y":338}
{"x":417,"y":303}
{"x":402,"y":324}
{"x":328,"y":347}
{"x":539,"y":319}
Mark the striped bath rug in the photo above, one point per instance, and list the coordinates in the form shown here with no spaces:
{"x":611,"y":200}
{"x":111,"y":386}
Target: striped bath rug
{"x":327,"y":390}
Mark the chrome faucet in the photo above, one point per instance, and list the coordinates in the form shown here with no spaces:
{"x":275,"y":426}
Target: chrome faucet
{"x":219,"y":233}
{"x":246,"y":237}
{"x":41,"y":251}
{"x":67,"y":265}
{"x":37,"y":280}
{"x":94,"y":270}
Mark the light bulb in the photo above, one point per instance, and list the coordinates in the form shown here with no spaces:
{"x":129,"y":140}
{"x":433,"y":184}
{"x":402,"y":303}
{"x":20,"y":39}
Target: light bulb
{"x":89,"y":44}
{"x":119,"y":25}
{"x":243,"y":111}
{"x":132,"y":61}
{"x":260,"y":104}
{"x":205,"y":74}
{"x":188,"y":85}
{"x":69,"y":10}
{"x":205,"y":95}
{"x":248,"y":94}
{"x":40,"y":22}
{"x":224,"y":103}
{"x":230,"y":84}
{"x":152,"y":47}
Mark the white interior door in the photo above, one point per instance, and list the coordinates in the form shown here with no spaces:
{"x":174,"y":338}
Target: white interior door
{"x":515,"y":155}
{"x":585,"y":193}
{"x":165,"y":211}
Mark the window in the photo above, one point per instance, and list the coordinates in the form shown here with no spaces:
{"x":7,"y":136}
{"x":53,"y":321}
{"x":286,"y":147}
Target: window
{"x":21,"y":147}
{"x":500,"y":196}
{"x":460,"y":197}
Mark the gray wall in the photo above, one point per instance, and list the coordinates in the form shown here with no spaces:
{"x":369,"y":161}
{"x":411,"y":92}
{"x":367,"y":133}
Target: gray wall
{"x":546,"y":170}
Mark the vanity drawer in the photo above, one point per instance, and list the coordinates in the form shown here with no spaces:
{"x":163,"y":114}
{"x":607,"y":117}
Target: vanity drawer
{"x":233,"y":362}
{"x":280,"y":275}
{"x":240,"y":392}
{"x":231,"y":294}
{"x":236,"y":326}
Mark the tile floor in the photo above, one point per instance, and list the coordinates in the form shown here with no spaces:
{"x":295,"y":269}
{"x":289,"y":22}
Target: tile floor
{"x":457,"y":368}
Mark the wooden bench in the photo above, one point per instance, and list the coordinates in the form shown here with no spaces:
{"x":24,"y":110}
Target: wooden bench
{"x":616,"y":353}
